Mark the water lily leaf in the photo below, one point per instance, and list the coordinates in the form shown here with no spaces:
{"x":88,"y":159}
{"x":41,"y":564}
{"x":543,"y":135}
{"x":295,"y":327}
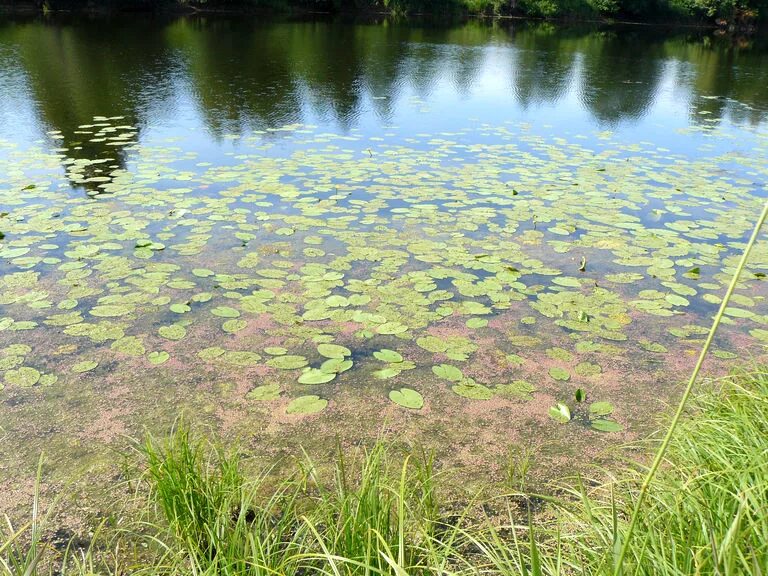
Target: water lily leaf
{"x":211,"y":353}
{"x":306,"y":405}
{"x":240,"y":357}
{"x":468,"y":388}
{"x":448,"y":372}
{"x":333,"y":351}
{"x":580,"y":395}
{"x":407,"y":398}
{"x":519,"y":389}
{"x":158,"y":357}
{"x":391,"y":328}
{"x":606,"y":425}
{"x":234,"y":325}
{"x":477,"y":323}
{"x":335,"y":365}
{"x":738,"y":312}
{"x":84,"y":366}
{"x":24,"y":377}
{"x":600,"y":408}
{"x":386,"y":355}
{"x":275,"y":350}
{"x":724,"y":354}
{"x":225,"y":312}
{"x":287,"y":362}
{"x":110,"y":310}
{"x":180,"y":308}
{"x":385,"y":373}
{"x":676,"y":300}
{"x":315,"y":376}
{"x":587,"y":369}
{"x":560,"y":413}
{"x":559,"y":373}
{"x":172,"y":332}
{"x":264,"y":393}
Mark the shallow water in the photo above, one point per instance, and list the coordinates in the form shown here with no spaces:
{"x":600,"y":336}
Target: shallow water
{"x":279,"y":226}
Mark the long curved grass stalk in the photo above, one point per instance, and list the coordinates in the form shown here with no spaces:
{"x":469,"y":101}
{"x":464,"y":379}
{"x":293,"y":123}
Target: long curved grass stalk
{"x":661,"y":452}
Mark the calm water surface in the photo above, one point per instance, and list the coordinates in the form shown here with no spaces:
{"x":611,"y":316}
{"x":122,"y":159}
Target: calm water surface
{"x":278,"y":226}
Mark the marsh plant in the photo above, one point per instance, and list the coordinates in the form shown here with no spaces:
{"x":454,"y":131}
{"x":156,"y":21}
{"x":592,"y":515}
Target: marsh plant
{"x":384,"y":511}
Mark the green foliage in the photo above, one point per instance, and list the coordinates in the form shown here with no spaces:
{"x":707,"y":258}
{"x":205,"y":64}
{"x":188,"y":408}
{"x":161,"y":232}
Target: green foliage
{"x":378,"y":513}
{"x":735,"y":11}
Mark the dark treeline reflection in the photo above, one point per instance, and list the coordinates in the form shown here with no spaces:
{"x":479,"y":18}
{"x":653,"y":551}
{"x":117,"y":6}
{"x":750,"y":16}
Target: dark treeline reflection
{"x":242,"y":73}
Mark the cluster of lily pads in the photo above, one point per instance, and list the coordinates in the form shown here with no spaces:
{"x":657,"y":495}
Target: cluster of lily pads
{"x":345,"y":261}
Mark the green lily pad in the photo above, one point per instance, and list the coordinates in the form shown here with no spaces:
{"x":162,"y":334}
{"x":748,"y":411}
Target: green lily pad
{"x":560,"y":413}
{"x":407,"y":398}
{"x":391,"y":328}
{"x":386,"y":355}
{"x":333,"y":351}
{"x":84,"y":366}
{"x":287,"y":362}
{"x":587,"y":369}
{"x":477,"y":323}
{"x":264,"y":393}
{"x":448,"y":372}
{"x":225,"y":312}
{"x":606,"y":425}
{"x":468,"y":388}
{"x":316,"y":376}
{"x":110,"y":310}
{"x":158,"y":357}
{"x":335,"y":365}
{"x":172,"y":332}
{"x":24,"y":377}
{"x":385,"y":373}
{"x":306,"y":405}
{"x":559,"y":373}
{"x":234,"y":325}
{"x":275,"y":351}
{"x":600,"y":408}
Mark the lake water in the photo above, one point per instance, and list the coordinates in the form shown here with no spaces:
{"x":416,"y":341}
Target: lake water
{"x":299,"y":231}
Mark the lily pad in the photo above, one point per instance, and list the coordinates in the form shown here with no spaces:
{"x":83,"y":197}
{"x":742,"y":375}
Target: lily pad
{"x":287,"y":362}
{"x":386,"y":355}
{"x":560,"y":413}
{"x":606,"y":425}
{"x":600,"y":408}
{"x":407,"y":398}
{"x":84,"y":366}
{"x":172,"y":332}
{"x":264,"y":393}
{"x":306,"y":405}
{"x":24,"y":377}
{"x":316,"y":376}
{"x":158,"y":357}
{"x":559,"y":373}
{"x":448,"y":372}
{"x":333,"y":351}
{"x":225,"y":312}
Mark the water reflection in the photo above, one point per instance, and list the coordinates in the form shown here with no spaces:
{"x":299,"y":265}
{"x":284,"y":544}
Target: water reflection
{"x":235,"y":75}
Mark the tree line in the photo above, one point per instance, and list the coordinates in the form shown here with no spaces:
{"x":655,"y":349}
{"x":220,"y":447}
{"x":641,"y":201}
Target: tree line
{"x":728,"y":14}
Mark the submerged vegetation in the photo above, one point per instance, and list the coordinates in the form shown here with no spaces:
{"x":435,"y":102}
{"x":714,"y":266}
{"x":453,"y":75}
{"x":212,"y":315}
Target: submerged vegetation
{"x":195,"y":510}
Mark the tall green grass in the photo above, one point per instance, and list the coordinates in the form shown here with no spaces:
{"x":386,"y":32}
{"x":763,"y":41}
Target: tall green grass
{"x":382,"y":511}
{"x":706,"y":512}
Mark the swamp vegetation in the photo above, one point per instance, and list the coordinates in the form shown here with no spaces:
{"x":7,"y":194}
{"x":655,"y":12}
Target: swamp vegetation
{"x":189,"y":508}
{"x":416,"y":274}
